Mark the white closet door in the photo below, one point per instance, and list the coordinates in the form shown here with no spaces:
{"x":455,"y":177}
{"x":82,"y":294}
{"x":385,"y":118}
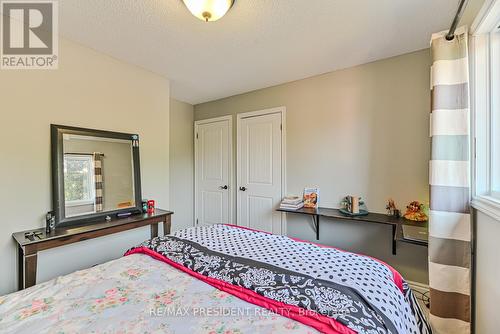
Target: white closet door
{"x":259,"y":184}
{"x":213,"y":172}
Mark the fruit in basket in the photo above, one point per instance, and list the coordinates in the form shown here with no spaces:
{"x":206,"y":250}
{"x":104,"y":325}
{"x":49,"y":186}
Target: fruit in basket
{"x":415,"y":212}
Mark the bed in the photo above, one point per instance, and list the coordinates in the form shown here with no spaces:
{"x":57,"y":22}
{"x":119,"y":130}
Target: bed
{"x":221,"y":279}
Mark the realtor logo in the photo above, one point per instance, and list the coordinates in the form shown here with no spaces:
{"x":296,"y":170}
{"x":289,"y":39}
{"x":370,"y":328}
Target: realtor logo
{"x":29,"y":35}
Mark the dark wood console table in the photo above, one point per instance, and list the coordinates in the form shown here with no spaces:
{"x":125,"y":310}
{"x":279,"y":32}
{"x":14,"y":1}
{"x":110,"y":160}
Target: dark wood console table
{"x":377,"y":218}
{"x":28,"y":249}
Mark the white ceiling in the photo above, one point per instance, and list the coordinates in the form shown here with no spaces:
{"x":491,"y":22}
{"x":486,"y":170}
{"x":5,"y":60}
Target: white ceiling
{"x":259,"y":43}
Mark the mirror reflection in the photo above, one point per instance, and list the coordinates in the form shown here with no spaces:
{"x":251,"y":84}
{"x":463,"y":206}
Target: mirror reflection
{"x":98,"y":174}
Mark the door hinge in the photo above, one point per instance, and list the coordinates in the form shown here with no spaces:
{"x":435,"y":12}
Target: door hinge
{"x":196,"y":221}
{"x":196,"y":135}
{"x":281,"y":127}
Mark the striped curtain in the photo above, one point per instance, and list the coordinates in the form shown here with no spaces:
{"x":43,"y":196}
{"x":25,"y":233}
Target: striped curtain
{"x":98,"y":157}
{"x":450,"y":223}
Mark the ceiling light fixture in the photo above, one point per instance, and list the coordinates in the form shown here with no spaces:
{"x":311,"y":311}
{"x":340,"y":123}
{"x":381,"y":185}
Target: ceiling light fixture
{"x":208,"y":10}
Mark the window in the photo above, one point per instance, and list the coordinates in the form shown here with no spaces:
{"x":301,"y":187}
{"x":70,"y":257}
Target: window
{"x":495,"y":113}
{"x":78,"y":179}
{"x":485,"y":104}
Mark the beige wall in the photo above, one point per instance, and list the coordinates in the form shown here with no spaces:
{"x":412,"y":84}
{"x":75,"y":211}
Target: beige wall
{"x":487,"y":273}
{"x":181,"y":163}
{"x":362,"y":130}
{"x":88,"y":90}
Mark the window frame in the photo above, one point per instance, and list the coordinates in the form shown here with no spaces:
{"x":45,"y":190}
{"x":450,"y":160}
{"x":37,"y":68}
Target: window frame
{"x":90,"y":180}
{"x":482,"y":85}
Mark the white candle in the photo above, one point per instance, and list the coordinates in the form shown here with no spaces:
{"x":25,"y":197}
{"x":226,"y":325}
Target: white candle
{"x":355,"y":204}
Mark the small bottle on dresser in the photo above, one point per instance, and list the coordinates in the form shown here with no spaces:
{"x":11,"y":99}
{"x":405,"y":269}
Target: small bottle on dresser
{"x":50,"y":222}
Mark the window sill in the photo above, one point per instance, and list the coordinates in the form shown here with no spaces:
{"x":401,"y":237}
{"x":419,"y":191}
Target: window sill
{"x":79,"y":203}
{"x":487,"y":205}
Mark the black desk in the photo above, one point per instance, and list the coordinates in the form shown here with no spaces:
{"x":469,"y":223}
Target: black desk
{"x":372,"y":218}
{"x":28,"y":249}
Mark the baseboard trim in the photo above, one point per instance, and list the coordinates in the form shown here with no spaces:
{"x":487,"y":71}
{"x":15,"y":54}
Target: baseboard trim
{"x":418,"y":285}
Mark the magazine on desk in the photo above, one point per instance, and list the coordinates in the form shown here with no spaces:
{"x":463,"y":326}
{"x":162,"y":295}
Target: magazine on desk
{"x":311,"y":198}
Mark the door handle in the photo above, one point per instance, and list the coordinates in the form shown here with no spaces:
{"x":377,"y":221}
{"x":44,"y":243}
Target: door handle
{"x":224,"y":187}
{"x":243,"y":188}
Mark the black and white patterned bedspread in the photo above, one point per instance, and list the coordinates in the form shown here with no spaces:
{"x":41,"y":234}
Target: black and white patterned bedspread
{"x":357,"y":291}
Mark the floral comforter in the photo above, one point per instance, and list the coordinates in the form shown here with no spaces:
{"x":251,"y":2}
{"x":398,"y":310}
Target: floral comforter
{"x":135,"y":294}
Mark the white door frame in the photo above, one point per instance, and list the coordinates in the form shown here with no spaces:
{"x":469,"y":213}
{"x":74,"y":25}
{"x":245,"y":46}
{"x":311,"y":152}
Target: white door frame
{"x":239,"y":117}
{"x":230,"y":158}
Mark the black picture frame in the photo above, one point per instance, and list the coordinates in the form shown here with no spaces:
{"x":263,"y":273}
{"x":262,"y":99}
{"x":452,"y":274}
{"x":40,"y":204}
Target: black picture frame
{"x":57,"y":157}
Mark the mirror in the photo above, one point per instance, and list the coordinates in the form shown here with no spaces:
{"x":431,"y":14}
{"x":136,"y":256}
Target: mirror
{"x":96,"y":174}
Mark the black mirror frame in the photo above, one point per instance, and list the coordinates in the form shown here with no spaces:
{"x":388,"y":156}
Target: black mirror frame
{"x":57,"y":154}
